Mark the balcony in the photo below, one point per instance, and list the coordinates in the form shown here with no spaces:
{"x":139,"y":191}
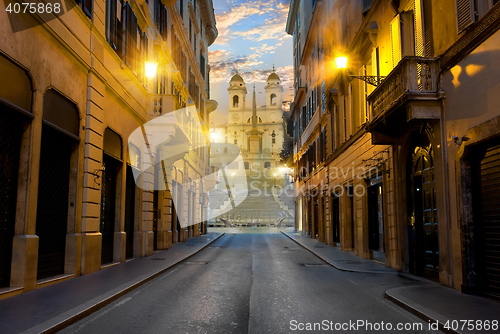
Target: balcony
{"x":409,"y":93}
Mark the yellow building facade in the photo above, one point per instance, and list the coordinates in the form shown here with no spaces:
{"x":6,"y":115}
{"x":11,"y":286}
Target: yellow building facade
{"x":384,"y":141}
{"x":73,"y":88}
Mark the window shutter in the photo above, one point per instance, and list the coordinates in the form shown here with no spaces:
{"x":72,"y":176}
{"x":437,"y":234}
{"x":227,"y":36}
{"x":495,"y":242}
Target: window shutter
{"x":363,"y":93}
{"x":348,"y":111}
{"x":328,"y":139}
{"x":344,"y":12}
{"x":465,"y":14}
{"x":419,"y":29}
{"x":343,"y":125}
{"x":367,"y":4}
{"x":396,"y":40}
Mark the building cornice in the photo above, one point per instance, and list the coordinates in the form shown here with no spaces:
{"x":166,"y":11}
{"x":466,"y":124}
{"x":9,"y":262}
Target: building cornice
{"x":292,"y":14}
{"x":207,"y":10}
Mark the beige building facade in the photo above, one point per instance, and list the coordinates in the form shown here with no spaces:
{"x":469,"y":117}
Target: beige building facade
{"x":72,"y":90}
{"x":396,"y":151}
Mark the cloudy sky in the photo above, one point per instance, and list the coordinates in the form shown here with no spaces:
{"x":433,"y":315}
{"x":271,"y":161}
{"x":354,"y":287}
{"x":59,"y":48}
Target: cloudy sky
{"x":251,"y":39}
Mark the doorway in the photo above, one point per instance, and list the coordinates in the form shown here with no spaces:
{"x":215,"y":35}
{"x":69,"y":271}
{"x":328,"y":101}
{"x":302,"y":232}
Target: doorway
{"x":423,"y":224}
{"x":335,"y":219}
{"x":108,"y":207}
{"x":52,"y":206}
{"x":11,"y":131}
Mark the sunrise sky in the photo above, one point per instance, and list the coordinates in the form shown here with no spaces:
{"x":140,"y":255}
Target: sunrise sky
{"x":251,"y":38}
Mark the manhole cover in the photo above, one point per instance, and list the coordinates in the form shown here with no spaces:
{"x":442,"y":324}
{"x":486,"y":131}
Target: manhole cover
{"x":158,"y":258}
{"x":310,"y":264}
{"x":216,"y":247}
{"x":189,"y":245}
{"x":195,"y":262}
{"x":319,"y":246}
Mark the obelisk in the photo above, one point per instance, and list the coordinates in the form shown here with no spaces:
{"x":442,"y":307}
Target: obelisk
{"x":254,"y":134}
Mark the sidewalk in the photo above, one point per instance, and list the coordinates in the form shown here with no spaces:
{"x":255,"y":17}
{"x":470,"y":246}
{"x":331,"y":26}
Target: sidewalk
{"x":54,"y":307}
{"x":426,"y":299}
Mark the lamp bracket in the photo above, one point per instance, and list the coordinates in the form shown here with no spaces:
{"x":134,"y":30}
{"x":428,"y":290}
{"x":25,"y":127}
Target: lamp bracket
{"x":373,"y":80}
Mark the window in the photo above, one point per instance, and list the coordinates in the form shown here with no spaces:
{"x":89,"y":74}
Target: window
{"x":396,"y":48}
{"x":247,"y":165}
{"x":181,"y":8}
{"x":161,"y":18}
{"x":344,"y":17}
{"x":114,"y":23}
{"x":273,"y":99}
{"x":267,"y":164}
{"x":124,"y":35}
{"x":202,"y":65}
{"x":86,"y":6}
{"x":235,"y":141}
{"x":236,"y":101}
{"x":366,"y":5}
{"x":259,"y":119}
{"x":363,"y":95}
{"x":469,"y":11}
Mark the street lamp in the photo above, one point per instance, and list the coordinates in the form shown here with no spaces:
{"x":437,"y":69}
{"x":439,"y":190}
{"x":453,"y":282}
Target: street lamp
{"x":150,"y":68}
{"x":373,"y":80}
{"x":341,"y":62}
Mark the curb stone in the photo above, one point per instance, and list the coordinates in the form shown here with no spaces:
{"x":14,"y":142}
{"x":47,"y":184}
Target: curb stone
{"x":71,"y":316}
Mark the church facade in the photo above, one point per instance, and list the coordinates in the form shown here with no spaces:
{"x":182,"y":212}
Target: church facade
{"x":257,"y":131}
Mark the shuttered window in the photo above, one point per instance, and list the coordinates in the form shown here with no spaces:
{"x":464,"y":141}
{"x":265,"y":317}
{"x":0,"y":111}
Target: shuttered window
{"x":363,"y":95}
{"x":161,"y":19}
{"x":419,"y":28}
{"x":396,"y":40}
{"x":465,"y":14}
{"x":348,"y":112}
{"x":343,"y":118}
{"x":344,"y":17}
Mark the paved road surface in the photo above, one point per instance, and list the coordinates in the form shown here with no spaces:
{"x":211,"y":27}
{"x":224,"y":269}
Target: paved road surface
{"x":253,"y":283}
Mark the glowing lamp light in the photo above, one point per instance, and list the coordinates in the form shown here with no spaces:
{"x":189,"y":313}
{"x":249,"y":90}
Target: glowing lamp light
{"x":214,"y":136}
{"x":341,"y":62}
{"x":151,"y":69}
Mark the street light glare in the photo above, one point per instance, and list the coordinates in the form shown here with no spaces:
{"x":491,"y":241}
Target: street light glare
{"x":150,"y":69}
{"x":214,"y":136}
{"x":341,"y":62}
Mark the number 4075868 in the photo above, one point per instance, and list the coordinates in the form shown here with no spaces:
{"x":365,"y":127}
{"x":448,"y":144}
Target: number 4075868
{"x":33,"y":8}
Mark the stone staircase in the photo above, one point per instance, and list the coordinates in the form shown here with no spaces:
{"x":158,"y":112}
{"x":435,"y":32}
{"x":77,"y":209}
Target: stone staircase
{"x":260,"y":207}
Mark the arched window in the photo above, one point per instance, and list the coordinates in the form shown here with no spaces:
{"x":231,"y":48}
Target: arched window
{"x":259,"y":119}
{"x":273,"y":99}
{"x":236,"y":100}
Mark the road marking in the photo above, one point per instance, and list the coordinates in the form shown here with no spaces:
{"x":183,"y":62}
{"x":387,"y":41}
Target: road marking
{"x":350,"y":280}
